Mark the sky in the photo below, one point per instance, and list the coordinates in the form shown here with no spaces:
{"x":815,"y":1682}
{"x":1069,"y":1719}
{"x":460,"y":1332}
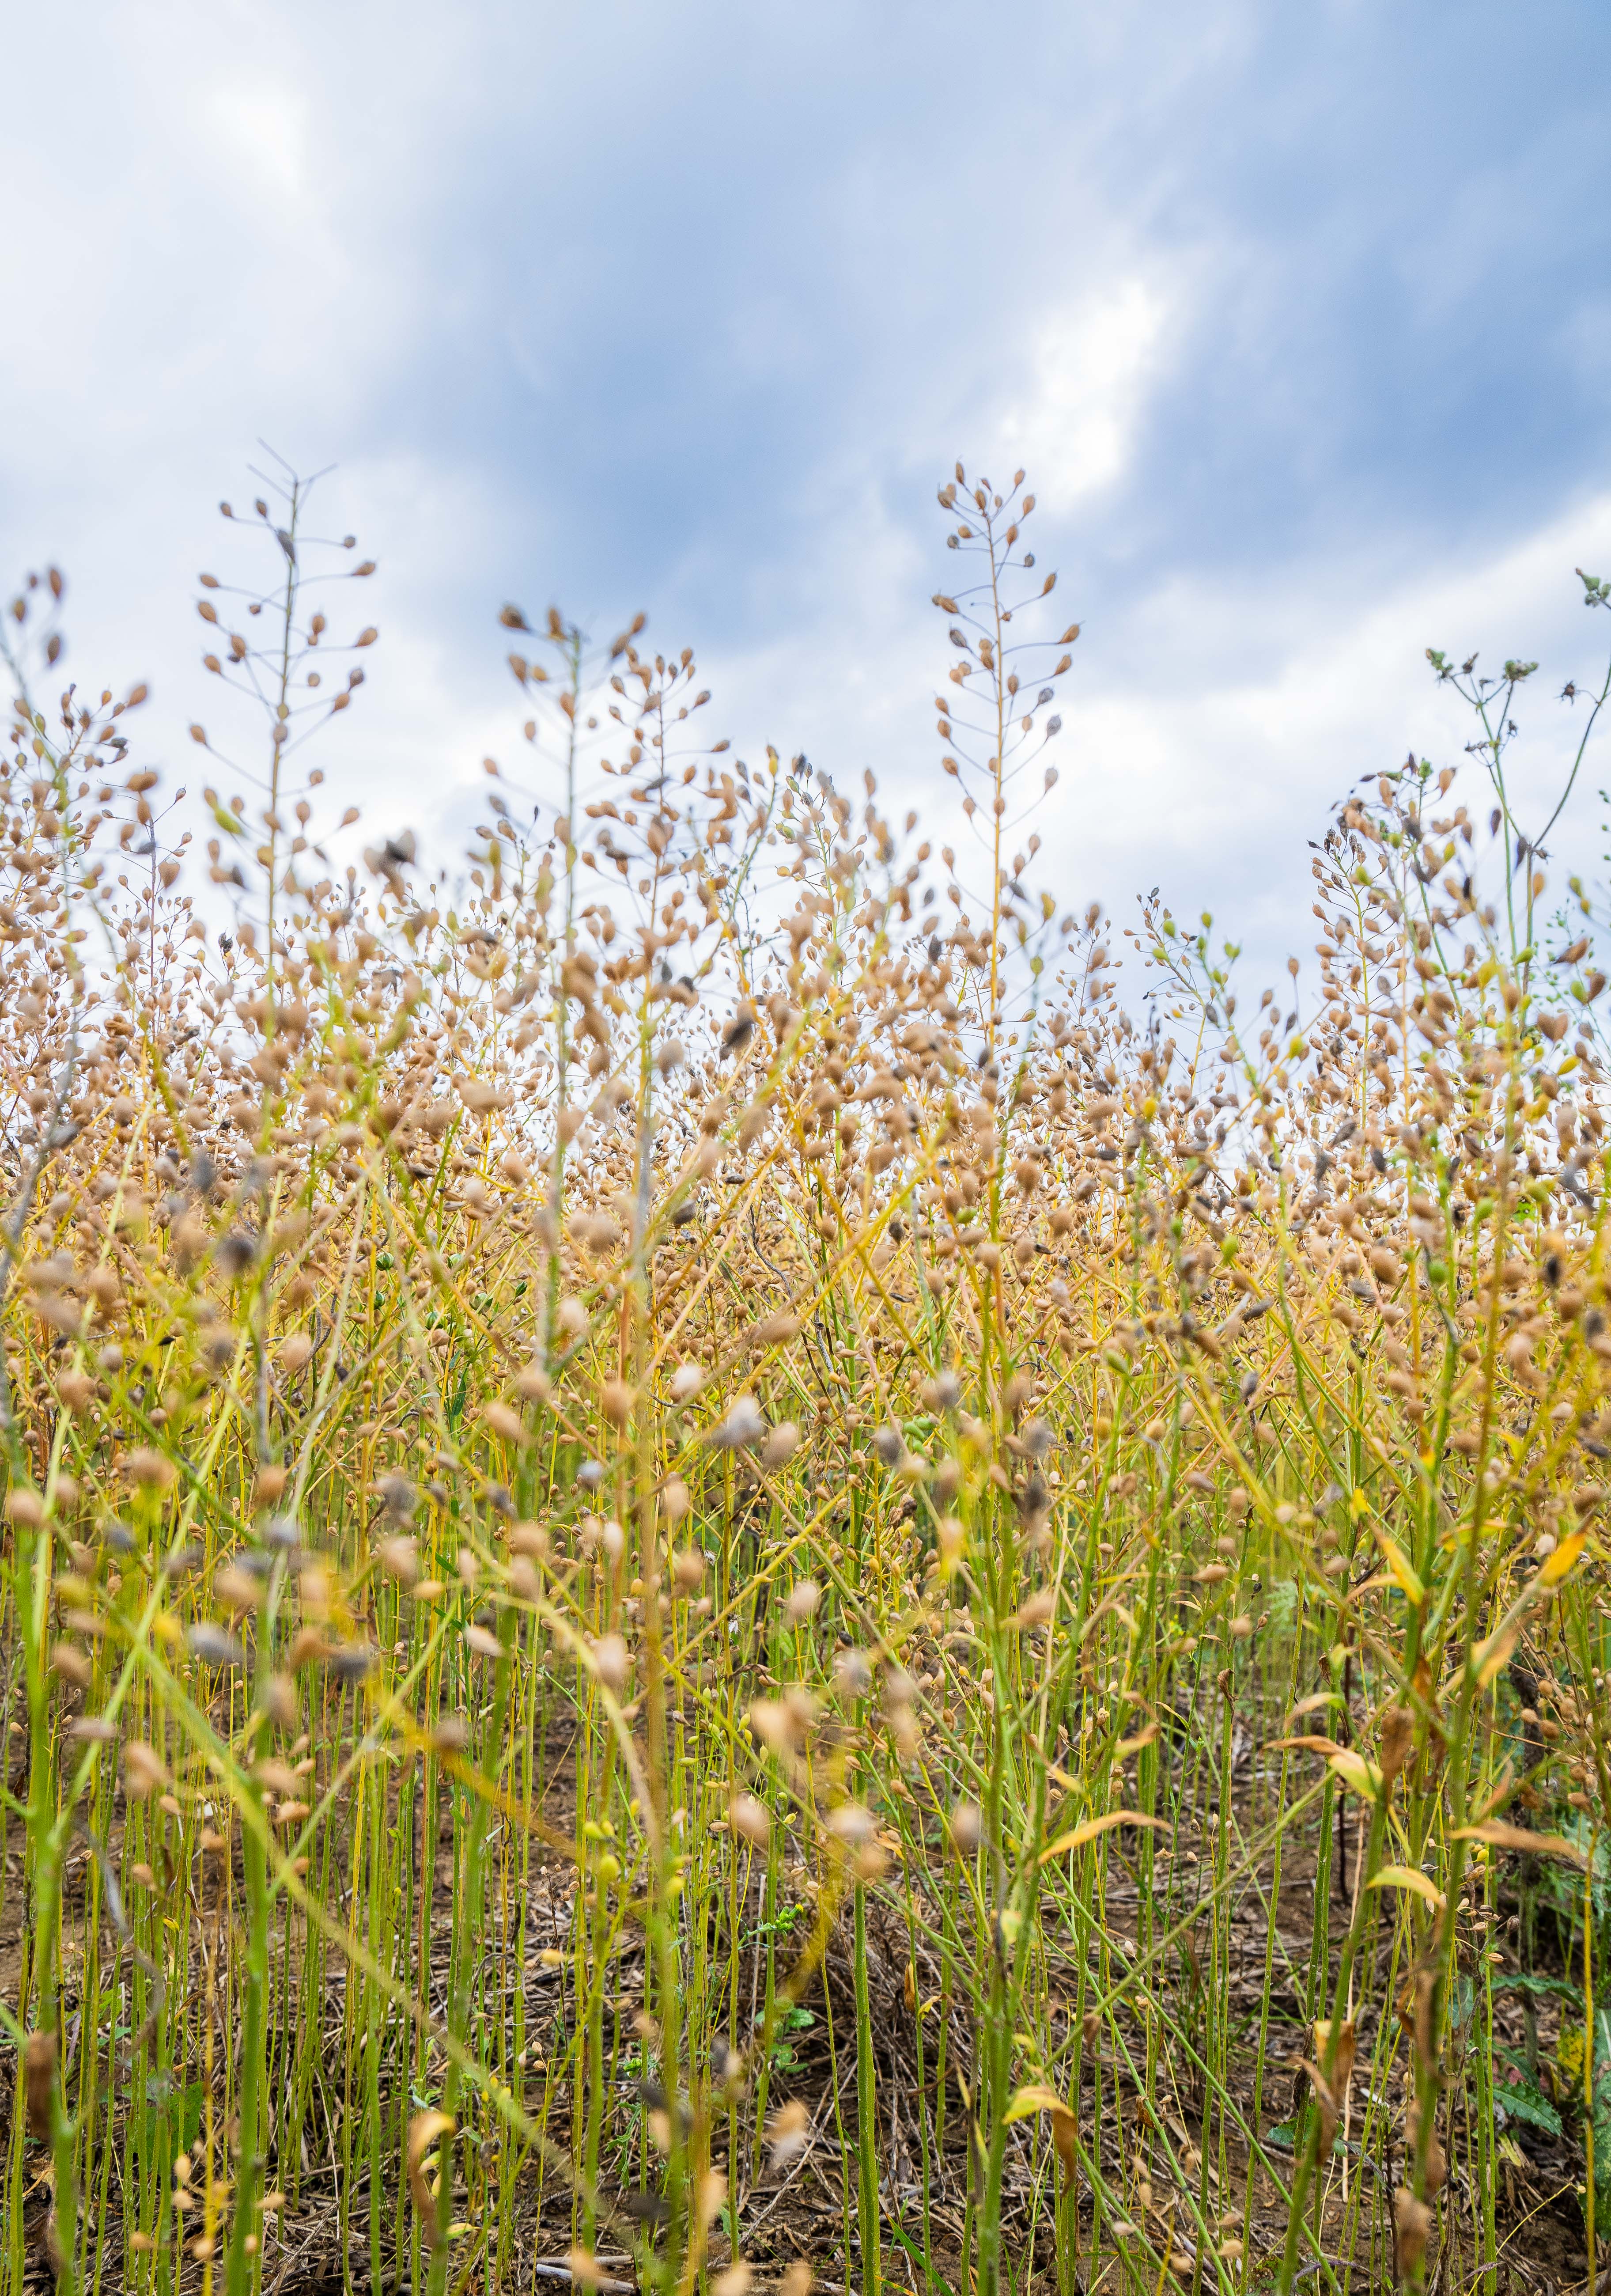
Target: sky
{"x":1299,"y":319}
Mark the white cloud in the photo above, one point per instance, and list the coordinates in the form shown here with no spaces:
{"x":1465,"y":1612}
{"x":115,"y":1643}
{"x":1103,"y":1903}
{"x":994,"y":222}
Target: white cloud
{"x":1215,"y":729}
{"x":262,"y":131}
{"x":1075,"y":423}
{"x":367,"y":240}
{"x":1209,"y":731}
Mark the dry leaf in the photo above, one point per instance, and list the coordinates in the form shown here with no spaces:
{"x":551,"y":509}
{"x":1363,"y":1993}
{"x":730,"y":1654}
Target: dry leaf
{"x":1498,"y":1836}
{"x":1034,"y":2100}
{"x":1088,"y":1829}
{"x":423,"y":2130}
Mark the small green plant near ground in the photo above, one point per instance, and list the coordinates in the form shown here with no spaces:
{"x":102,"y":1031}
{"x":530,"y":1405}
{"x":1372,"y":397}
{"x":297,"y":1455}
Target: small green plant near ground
{"x":706,"y":1574}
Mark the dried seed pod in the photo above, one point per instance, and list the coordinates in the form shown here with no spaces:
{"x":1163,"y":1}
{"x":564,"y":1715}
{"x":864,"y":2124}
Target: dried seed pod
{"x":750,"y":1817}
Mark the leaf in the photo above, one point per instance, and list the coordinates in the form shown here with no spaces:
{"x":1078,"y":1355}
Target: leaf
{"x":1128,"y":1746}
{"x":1528,"y":1980}
{"x":1307,"y":1744}
{"x":1409,"y":1877}
{"x":1403,"y":1570}
{"x":1089,"y":1828}
{"x":1557,"y":1565}
{"x":1314,"y":1701}
{"x":1343,"y":2052}
{"x":1281,"y":1608}
{"x":1489,"y":1658}
{"x":1360,"y":1776}
{"x":423,"y":2131}
{"x":1498,"y":1836}
{"x":1033,"y":2100}
{"x":1529,"y":2105}
{"x":1325,"y":2102}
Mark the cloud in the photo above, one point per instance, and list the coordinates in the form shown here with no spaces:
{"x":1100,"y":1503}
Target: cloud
{"x":690,"y":312}
{"x":1086,"y":394}
{"x":259,"y":135}
{"x":1213,"y":730}
{"x":1210,"y":726}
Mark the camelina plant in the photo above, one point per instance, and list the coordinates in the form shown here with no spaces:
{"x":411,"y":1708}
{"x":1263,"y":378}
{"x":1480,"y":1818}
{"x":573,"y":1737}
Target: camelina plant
{"x":708,"y":1579}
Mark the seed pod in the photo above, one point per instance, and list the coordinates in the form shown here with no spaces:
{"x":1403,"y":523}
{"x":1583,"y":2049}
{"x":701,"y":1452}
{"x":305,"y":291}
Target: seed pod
{"x":400,"y":1558}
{"x":145,"y":1772}
{"x":965,"y":1828}
{"x":780,"y":1445}
{"x":505,"y":1423}
{"x":750,"y":1817}
{"x":612,"y":1661}
{"x":789,"y":2132}
{"x":804,"y":1597}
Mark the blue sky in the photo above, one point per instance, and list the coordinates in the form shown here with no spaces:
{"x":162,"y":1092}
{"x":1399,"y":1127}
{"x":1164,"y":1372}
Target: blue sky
{"x":1300,"y":317}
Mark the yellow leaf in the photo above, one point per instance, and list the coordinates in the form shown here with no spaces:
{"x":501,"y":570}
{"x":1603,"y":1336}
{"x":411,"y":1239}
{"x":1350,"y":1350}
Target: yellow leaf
{"x":1034,"y":2100}
{"x":1128,"y":1746}
{"x":1557,"y":1565}
{"x":1488,"y":1658}
{"x":1355,"y":1771}
{"x":1310,"y":1742}
{"x":423,"y":2131}
{"x":1409,"y":1877}
{"x":1403,"y":1570}
{"x":1569,"y":2056}
{"x":1090,"y":1827}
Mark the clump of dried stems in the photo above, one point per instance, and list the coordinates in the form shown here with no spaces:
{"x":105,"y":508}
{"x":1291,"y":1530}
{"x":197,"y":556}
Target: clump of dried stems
{"x":705,"y":1573}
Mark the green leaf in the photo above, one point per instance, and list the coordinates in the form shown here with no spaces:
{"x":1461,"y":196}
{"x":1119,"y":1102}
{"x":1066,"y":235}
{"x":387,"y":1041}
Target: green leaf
{"x":1280,"y":1604}
{"x":1529,"y":1980}
{"x":1528,"y":2104}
